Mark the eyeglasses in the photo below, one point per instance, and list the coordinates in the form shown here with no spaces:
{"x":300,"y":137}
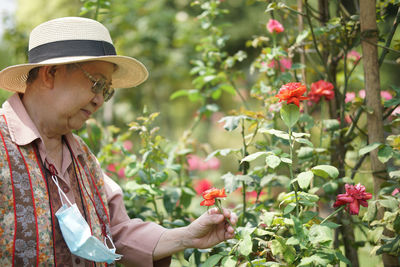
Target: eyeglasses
{"x":99,"y":85}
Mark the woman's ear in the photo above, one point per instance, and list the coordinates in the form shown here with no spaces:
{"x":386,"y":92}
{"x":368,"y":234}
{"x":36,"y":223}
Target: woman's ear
{"x":47,"y":75}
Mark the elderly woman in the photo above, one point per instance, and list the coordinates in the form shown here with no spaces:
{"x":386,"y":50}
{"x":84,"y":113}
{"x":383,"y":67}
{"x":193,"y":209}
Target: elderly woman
{"x":57,"y":206}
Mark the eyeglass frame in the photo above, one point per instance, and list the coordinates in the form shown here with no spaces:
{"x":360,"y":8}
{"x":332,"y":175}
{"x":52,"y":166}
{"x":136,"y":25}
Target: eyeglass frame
{"x":105,"y":87}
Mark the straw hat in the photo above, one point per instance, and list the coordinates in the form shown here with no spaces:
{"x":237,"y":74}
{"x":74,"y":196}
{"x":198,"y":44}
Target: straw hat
{"x":68,"y":40}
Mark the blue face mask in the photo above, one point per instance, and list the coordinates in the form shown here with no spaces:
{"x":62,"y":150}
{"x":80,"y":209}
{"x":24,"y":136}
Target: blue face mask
{"x":77,"y":234}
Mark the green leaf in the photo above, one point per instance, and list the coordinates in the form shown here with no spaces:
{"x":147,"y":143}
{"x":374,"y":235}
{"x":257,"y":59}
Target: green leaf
{"x":391,"y":245}
{"x":314,"y":260}
{"x":331,"y":125}
{"x":325,"y":171}
{"x":289,"y":208}
{"x":395,"y":100}
{"x":228,"y":88}
{"x":171,"y":197}
{"x":212,"y":261}
{"x":179,"y":93}
{"x":304,"y":179}
{"x":342,"y":258}
{"x":302,"y":36}
{"x":231,"y":122}
{"x":390,"y":203}
{"x":253,"y":156}
{"x":331,"y":225}
{"x":231,"y":183}
{"x":228,"y":262}
{"x":221,"y":152}
{"x":375,"y":235}
{"x":292,"y":241}
{"x":394,"y":174}
{"x":385,"y":153}
{"x":277,"y":133}
{"x":246,"y":245}
{"x":131,"y":169}
{"x":290,"y":114}
{"x":304,"y":141}
{"x":368,"y":148}
{"x":268,"y":217}
{"x":307,"y":120}
{"x":276,"y":247}
{"x":320,"y":234}
{"x":305,"y":152}
{"x":286,"y":160}
{"x":272,"y":161}
{"x":371,"y":212}
{"x":396,"y":224}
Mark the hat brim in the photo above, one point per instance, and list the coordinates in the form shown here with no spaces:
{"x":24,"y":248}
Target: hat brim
{"x":129,"y":73}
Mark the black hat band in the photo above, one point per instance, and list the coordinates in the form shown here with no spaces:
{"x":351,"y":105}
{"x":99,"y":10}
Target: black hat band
{"x":70,"y":48}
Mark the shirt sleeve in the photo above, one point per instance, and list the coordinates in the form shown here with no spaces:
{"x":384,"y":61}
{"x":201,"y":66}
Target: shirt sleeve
{"x":133,"y":238}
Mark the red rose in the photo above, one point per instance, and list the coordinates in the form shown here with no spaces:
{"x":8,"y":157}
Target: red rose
{"x":210,"y":195}
{"x":353,"y":198}
{"x":320,"y":89}
{"x":292,"y":93}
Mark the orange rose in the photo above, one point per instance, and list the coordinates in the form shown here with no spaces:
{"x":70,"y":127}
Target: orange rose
{"x":292,"y":93}
{"x":210,"y":195}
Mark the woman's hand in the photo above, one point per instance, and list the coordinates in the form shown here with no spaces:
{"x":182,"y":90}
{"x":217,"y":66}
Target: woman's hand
{"x":206,"y":231}
{"x":211,"y":228}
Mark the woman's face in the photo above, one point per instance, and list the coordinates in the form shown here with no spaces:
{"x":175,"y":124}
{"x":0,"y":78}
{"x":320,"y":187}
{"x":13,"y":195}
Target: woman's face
{"x":74,"y":101}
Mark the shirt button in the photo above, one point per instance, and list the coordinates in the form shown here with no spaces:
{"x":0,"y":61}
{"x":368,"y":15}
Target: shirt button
{"x":77,"y":260}
{"x":65,"y":189}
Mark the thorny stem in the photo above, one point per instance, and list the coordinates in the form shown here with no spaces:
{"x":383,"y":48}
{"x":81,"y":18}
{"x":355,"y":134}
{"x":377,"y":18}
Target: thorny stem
{"x":238,"y":92}
{"x":346,"y":78}
{"x":353,"y":123}
{"x":315,"y":39}
{"x":244,"y":172}
{"x":159,"y":217}
{"x":291,"y":171}
{"x":332,"y":214}
{"x":390,"y":37}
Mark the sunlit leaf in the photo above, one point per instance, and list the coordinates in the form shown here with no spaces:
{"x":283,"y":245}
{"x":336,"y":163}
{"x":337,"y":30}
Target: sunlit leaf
{"x":325,"y":171}
{"x":290,"y":114}
{"x":304,"y":179}
{"x":272,"y":161}
{"x":368,"y":148}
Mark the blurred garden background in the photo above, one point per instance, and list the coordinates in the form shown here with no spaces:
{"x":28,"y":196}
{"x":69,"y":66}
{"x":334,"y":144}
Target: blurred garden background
{"x":208,"y":116}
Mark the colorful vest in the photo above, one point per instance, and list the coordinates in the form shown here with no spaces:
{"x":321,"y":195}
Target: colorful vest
{"x":29,"y":231}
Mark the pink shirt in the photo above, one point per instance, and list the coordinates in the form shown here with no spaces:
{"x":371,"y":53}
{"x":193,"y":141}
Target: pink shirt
{"x":133,"y":238}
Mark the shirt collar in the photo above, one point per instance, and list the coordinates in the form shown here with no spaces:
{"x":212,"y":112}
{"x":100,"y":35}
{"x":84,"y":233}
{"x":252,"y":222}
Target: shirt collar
{"x":22,"y":129}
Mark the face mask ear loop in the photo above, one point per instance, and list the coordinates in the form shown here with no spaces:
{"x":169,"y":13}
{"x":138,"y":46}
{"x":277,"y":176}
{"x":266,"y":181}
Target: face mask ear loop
{"x":60,"y":192}
{"x":105,"y":242}
{"x":113,"y":246}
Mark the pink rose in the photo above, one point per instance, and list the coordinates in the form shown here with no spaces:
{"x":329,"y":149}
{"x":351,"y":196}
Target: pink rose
{"x":213,"y":164}
{"x":127,"y":145}
{"x":273,"y":26}
{"x":350,"y":97}
{"x":396,"y":111}
{"x":194,"y":162}
{"x":353,"y":55}
{"x":386,"y":95}
{"x":396,"y":191}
